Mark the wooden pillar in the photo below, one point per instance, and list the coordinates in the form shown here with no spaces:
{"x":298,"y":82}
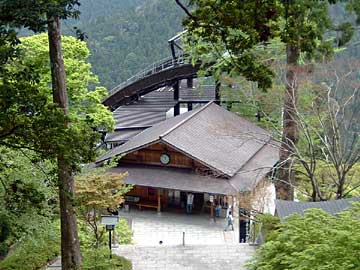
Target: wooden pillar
{"x":217,"y":93}
{"x":158,"y":200}
{"x":176,"y":97}
{"x":172,"y":48}
{"x":189,"y":82}
{"x":212,"y":210}
{"x":190,"y":107}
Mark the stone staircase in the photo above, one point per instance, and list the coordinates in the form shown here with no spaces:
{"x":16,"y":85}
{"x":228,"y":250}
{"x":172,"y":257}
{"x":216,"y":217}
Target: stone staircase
{"x":192,"y":257}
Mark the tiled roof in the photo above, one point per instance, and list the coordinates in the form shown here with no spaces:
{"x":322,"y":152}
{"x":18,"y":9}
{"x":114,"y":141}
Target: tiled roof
{"x":122,"y":135}
{"x":286,"y":208}
{"x":258,"y":166}
{"x":146,"y":137}
{"x":211,"y":135}
{"x":137,"y":119}
{"x":174,"y":178}
{"x":151,"y":109}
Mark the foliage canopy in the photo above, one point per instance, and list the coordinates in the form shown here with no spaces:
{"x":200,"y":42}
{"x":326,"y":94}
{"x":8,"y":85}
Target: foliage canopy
{"x":315,"y":241}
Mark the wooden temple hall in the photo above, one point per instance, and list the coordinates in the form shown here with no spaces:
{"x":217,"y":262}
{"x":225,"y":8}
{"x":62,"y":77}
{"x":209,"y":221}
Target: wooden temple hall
{"x":208,"y":151}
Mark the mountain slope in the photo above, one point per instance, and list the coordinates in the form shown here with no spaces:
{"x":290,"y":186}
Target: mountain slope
{"x":126,"y":36}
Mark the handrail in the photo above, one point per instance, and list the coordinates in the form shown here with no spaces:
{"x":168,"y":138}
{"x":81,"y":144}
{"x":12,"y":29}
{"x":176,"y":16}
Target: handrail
{"x":156,"y":67}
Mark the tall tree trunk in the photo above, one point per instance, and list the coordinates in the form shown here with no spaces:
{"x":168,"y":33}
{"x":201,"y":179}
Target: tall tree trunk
{"x":290,"y":133}
{"x":70,"y":246}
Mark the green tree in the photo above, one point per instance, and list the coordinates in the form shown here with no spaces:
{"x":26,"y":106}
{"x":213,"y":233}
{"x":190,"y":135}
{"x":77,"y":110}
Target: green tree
{"x":84,"y":93}
{"x":327,"y":155}
{"x":315,"y":241}
{"x":39,"y":16}
{"x":27,"y":192}
{"x":97,"y":191}
{"x":47,"y":126}
{"x":232,"y":33}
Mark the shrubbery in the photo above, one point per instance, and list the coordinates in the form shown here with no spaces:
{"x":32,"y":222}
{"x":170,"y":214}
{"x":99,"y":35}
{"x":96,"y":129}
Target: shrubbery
{"x":124,"y":233}
{"x":316,"y":240}
{"x":4,"y":233}
{"x":98,"y":259}
{"x":34,"y":251}
{"x":270,"y":226}
{"x":38,"y":249}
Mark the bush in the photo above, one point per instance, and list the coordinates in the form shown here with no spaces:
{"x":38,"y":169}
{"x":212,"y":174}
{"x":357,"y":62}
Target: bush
{"x":5,"y":229}
{"x":270,"y":225}
{"x":121,"y":263}
{"x":87,"y":236}
{"x":4,"y":249}
{"x":98,"y":259}
{"x":316,"y":240}
{"x":124,"y":233}
{"x":34,"y":251}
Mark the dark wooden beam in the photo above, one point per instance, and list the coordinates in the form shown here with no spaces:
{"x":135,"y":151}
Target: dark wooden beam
{"x":176,"y":97}
{"x":217,"y":93}
{"x":189,"y":82}
{"x":172,"y":48}
{"x":158,"y":200}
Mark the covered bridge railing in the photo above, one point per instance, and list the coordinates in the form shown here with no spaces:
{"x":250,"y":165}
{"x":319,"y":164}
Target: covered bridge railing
{"x":158,"y":74}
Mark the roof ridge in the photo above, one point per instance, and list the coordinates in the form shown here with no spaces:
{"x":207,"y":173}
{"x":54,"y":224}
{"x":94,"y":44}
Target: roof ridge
{"x":186,"y":119}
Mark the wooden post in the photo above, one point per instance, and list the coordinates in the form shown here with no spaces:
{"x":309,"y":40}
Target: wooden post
{"x":212,"y":210}
{"x":158,"y":200}
{"x":176,"y":97}
{"x":189,"y":105}
{"x":189,"y":82}
{"x":217,"y":92}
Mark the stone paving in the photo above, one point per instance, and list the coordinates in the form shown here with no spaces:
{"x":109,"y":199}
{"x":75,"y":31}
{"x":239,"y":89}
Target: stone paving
{"x":207,"y":246}
{"x":150,"y":228}
{"x":203,"y":257}
{"x":56,"y":265}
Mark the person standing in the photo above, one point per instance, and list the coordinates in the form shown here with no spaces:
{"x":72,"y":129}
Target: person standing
{"x":228,"y":210}
{"x":189,"y":203}
{"x":217,"y":209}
{"x":230,"y":222}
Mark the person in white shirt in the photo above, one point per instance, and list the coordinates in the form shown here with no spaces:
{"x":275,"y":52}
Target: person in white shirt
{"x":230,"y":222}
{"x":189,"y":203}
{"x":228,"y":210}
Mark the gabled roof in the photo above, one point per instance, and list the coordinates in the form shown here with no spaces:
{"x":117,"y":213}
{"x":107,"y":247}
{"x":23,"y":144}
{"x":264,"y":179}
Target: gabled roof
{"x":286,"y":208}
{"x":211,"y":135}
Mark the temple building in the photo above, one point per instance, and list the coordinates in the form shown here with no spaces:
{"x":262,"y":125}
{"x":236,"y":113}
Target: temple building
{"x":211,"y":152}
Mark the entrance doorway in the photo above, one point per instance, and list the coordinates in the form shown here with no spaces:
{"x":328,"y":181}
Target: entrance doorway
{"x":198,"y":202}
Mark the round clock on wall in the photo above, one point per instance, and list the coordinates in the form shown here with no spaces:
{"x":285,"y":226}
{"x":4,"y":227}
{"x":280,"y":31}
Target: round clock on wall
{"x":164,"y":159}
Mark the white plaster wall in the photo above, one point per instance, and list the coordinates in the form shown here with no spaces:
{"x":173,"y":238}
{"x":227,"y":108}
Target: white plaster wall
{"x":264,"y":199}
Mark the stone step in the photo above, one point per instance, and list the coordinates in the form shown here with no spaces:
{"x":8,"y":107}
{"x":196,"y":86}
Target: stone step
{"x":231,"y":245}
{"x":187,"y":257}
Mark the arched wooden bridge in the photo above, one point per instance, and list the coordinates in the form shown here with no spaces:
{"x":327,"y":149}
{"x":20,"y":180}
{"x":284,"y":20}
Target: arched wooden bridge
{"x":163,"y":73}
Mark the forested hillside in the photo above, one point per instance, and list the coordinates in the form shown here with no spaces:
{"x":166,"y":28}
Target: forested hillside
{"x":126,"y":36}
